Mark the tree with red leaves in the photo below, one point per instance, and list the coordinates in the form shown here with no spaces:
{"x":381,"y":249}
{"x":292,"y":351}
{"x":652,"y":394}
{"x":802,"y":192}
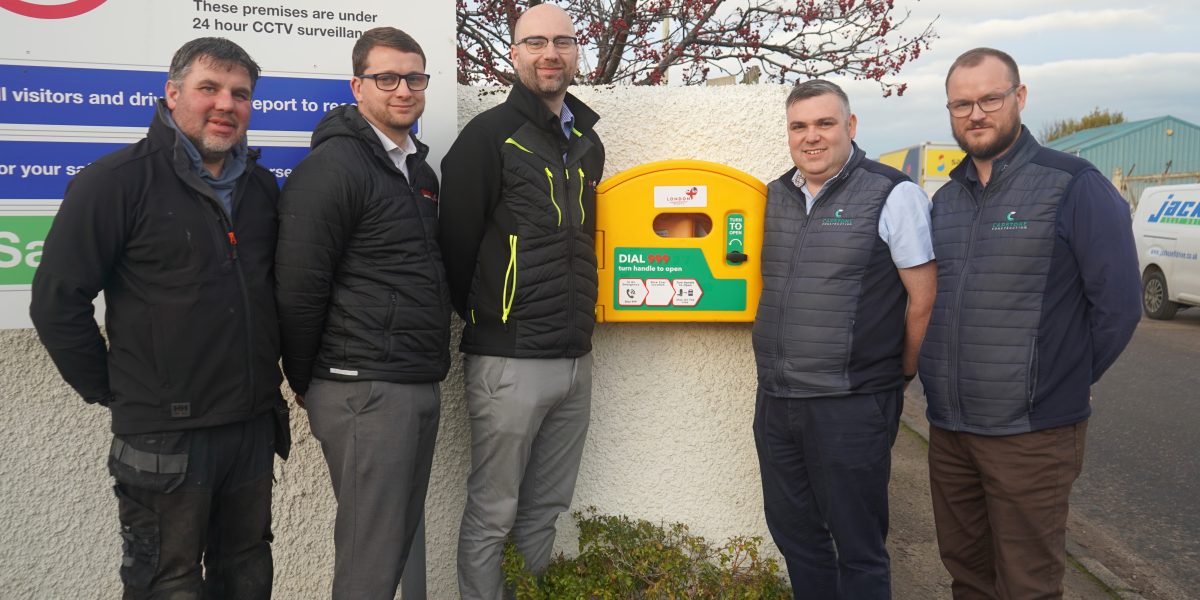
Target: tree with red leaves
{"x":638,"y":41}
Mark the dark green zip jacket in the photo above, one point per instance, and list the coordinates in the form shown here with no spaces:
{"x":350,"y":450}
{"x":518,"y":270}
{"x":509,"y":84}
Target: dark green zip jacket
{"x":517,"y":229}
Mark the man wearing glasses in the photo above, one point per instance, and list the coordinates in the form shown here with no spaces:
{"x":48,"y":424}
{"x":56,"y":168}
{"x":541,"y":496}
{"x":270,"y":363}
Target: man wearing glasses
{"x":517,"y":226}
{"x":365,"y":310}
{"x":1038,"y":294}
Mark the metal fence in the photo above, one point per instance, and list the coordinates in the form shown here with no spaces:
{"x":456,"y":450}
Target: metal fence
{"x":1131,"y":187}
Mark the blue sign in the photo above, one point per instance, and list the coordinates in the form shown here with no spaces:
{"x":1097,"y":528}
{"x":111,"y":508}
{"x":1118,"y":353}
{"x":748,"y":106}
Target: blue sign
{"x":123,"y":98}
{"x":41,"y":170}
{"x":280,"y":160}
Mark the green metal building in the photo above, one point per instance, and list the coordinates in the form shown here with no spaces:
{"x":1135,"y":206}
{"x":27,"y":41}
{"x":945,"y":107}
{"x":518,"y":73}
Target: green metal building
{"x":1136,"y":155}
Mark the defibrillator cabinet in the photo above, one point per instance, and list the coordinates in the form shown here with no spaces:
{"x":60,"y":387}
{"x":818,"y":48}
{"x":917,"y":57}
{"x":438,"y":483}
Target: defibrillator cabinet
{"x":679,"y":240}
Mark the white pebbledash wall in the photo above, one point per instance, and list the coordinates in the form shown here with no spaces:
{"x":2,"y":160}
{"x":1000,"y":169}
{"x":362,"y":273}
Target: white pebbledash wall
{"x":672,"y":405}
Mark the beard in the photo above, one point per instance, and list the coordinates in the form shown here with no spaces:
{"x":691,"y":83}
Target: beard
{"x":379,"y":115}
{"x":211,"y":147}
{"x":987,"y":150}
{"x":213,"y":150}
{"x":397,"y":123}
{"x":546,"y":88}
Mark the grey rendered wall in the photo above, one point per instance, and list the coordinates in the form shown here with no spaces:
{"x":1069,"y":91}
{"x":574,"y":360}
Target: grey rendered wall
{"x":670,"y":435}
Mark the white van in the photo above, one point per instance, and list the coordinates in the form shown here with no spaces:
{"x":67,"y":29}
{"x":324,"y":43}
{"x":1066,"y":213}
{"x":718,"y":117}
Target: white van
{"x":1166,"y":228}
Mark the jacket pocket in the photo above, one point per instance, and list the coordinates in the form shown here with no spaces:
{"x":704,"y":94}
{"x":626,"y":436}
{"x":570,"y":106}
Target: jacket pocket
{"x":388,"y":324}
{"x":509,"y":292}
{"x":582,"y":186}
{"x":141,"y":541}
{"x":849,"y":350}
{"x":156,"y":462}
{"x":1031,"y":373}
{"x":550,"y":184}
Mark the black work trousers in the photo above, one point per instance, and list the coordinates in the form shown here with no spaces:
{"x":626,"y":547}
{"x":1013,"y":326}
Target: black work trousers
{"x":195,"y":511}
{"x":825,"y":465}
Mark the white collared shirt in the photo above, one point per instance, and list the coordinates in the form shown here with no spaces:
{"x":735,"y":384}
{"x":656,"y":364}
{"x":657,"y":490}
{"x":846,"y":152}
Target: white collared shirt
{"x":396,"y":152}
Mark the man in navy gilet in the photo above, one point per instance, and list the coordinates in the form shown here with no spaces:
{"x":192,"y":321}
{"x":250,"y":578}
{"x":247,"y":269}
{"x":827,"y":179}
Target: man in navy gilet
{"x":1038,"y":293}
{"x":848,"y":283}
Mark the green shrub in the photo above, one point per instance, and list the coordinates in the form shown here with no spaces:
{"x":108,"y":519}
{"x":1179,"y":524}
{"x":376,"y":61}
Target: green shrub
{"x":620,"y":559}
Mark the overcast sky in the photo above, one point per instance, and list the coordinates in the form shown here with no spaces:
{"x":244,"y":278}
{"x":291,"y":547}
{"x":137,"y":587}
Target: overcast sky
{"x":1138,"y":57}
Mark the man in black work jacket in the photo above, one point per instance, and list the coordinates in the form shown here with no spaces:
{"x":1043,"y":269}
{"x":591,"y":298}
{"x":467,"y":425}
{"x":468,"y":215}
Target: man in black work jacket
{"x":178,"y":231}
{"x":517,"y":226}
{"x":365,"y":310}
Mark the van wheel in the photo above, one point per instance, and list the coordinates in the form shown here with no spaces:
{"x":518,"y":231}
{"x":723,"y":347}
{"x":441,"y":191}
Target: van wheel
{"x":1154,"y":297}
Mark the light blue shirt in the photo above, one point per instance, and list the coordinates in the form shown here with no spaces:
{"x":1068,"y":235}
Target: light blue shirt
{"x":904,"y":222}
{"x":566,"y":119}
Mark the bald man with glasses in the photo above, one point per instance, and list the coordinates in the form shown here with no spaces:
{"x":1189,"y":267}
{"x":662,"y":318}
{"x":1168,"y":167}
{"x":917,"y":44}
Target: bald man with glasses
{"x":517,"y":227}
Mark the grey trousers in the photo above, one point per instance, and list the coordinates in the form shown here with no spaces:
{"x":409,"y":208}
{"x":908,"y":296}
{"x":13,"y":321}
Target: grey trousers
{"x":529,"y":419}
{"x":378,"y":440}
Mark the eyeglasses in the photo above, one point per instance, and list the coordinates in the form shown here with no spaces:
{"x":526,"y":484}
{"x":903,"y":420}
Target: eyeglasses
{"x":537,"y":43}
{"x":388,"y":82}
{"x":988,"y":104}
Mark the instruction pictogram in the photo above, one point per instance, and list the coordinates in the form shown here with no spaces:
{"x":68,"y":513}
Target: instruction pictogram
{"x":687,"y":292}
{"x":659,"y":292}
{"x":631,"y":292}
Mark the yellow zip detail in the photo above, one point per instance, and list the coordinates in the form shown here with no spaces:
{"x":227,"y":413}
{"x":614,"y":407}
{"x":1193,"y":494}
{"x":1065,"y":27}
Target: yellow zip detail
{"x":582,"y":182}
{"x":576,"y":132}
{"x":507,"y":297}
{"x":550,"y":179}
{"x":472,"y":316}
{"x":515,"y":143}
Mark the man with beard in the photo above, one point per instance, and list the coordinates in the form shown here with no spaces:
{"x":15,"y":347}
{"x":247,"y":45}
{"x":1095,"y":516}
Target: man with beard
{"x":365,"y":309}
{"x":178,"y":231}
{"x":1038,"y":294}
{"x":517,"y":226}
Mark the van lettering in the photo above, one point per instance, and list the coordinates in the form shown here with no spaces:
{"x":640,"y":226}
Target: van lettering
{"x":1158,"y":215}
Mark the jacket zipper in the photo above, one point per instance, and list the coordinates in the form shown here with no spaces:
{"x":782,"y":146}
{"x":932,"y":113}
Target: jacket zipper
{"x":437,"y":271}
{"x":550,"y":180}
{"x":955,"y":407}
{"x":507,"y":298}
{"x":570,"y":256}
{"x":231,"y":237}
{"x":582,"y":212}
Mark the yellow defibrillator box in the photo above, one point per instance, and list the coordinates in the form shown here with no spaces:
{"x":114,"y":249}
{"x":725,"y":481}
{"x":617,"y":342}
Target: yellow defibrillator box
{"x":679,"y":240}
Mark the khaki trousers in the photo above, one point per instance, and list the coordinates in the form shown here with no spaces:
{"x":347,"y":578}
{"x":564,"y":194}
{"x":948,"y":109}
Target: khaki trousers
{"x":1000,"y":506}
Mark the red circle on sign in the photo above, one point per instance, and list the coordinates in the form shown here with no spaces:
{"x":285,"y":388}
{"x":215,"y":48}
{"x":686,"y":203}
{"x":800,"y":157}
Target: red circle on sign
{"x":50,"y":11}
